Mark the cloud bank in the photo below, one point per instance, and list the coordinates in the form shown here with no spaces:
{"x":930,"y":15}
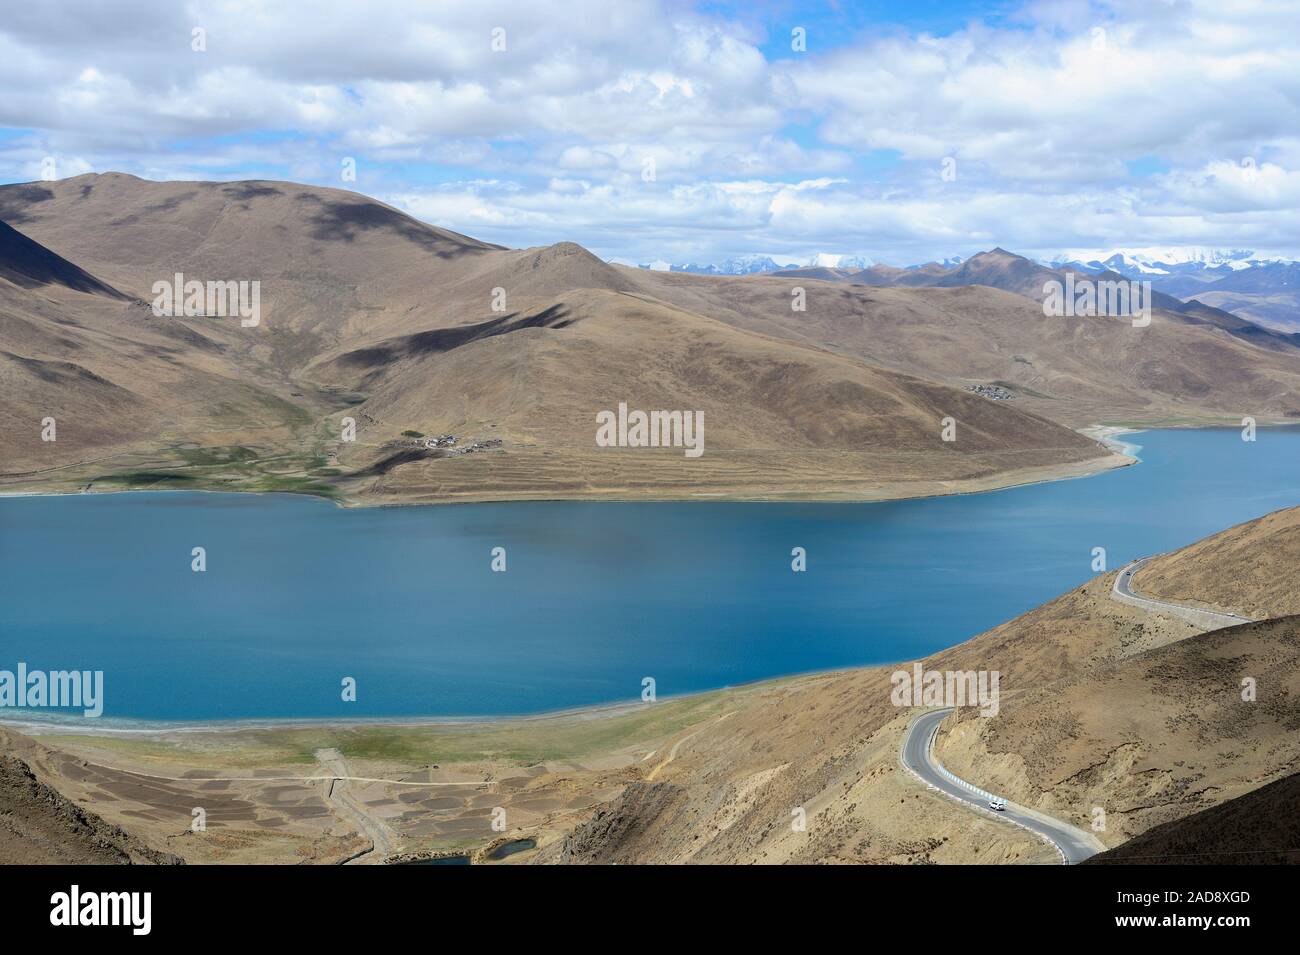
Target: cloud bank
{"x":654,"y":130}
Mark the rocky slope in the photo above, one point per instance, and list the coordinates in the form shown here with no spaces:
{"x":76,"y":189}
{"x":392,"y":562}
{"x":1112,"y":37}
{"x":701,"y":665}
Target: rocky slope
{"x":1259,"y":828}
{"x":40,"y":826}
{"x":1249,"y":569}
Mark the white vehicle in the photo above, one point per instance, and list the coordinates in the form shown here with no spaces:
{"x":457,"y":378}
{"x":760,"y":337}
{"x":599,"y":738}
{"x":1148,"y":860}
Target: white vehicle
{"x":997,"y":804}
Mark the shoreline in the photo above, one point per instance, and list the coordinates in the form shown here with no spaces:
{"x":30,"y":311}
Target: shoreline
{"x":1122,"y":454}
{"x":1109,"y":434}
{"x":889,"y":492}
{"x":158,"y":729}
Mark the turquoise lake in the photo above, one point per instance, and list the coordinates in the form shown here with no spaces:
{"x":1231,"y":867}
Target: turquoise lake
{"x":299,"y":594}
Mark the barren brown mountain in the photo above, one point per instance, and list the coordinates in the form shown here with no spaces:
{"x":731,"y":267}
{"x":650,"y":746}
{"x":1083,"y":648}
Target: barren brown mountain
{"x":1191,"y":365}
{"x":1005,"y":270}
{"x":1222,"y":572}
{"x":412,"y":330}
{"x":374,"y":316}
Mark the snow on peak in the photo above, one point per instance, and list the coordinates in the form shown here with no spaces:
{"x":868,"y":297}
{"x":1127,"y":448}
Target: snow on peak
{"x":831,"y":260}
{"x":1160,"y":260}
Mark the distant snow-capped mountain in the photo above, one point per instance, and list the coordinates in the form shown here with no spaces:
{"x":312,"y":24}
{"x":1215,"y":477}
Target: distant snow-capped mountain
{"x":1157,"y":259}
{"x":1152,"y":262}
{"x":757,"y":263}
{"x":1263,"y":289}
{"x":828,"y":260}
{"x":1181,"y":270}
{"x":741,"y":265}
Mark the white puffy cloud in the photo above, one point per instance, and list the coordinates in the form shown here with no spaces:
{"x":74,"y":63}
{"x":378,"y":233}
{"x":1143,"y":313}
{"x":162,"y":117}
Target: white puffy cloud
{"x":1071,"y":124}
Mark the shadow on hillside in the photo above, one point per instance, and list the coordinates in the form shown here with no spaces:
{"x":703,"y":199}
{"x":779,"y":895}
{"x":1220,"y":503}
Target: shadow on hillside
{"x":344,"y":221}
{"x":439,"y":340}
{"x":250,"y":190}
{"x":15,"y":199}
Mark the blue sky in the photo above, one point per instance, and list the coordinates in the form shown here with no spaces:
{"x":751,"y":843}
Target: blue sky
{"x":669,"y":130}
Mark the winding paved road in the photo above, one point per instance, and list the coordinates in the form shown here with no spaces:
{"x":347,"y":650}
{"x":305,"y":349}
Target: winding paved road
{"x":917,"y":756}
{"x":1206,"y":619}
{"x":1074,"y":844}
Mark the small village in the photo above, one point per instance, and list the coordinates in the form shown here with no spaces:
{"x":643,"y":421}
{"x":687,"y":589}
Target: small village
{"x":448,"y":444}
{"x":992,"y":392}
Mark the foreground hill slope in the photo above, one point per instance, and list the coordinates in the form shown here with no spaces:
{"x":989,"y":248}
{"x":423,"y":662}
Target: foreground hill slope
{"x":1260,"y":828}
{"x":1249,"y":569}
{"x":40,"y":826}
{"x":1148,"y":739}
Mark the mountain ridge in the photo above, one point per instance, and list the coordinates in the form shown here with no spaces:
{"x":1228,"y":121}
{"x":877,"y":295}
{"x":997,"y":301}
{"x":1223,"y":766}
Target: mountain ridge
{"x":370,"y":315}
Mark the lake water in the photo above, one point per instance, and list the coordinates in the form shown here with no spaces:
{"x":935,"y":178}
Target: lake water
{"x":299,"y":594}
